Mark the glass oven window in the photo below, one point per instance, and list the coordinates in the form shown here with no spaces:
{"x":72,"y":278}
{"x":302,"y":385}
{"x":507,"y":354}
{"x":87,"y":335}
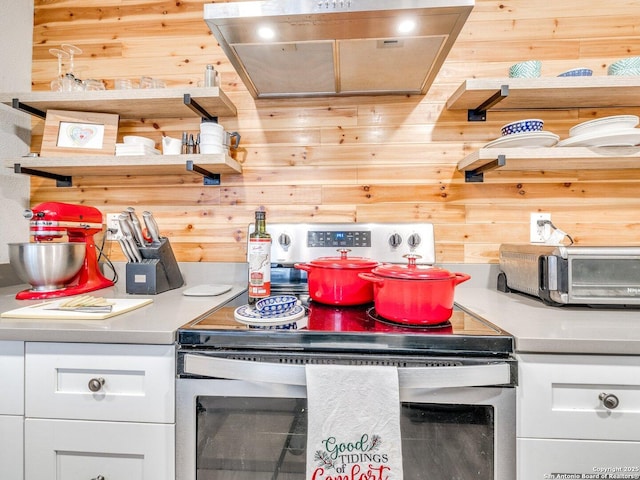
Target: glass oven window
{"x":265,"y":438}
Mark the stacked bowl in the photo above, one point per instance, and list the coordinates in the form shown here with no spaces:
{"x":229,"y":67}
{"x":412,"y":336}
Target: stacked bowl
{"x":528,"y":69}
{"x":626,"y":66}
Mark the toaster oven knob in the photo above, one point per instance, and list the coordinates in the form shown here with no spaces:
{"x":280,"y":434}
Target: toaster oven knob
{"x":609,"y":400}
{"x":395,"y":240}
{"x":95,"y":384}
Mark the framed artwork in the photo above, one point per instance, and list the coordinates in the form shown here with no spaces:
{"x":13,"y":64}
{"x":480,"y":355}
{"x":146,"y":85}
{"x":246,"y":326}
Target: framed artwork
{"x":69,"y":133}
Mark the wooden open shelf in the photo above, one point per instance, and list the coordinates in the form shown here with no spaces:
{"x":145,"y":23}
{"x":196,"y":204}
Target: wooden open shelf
{"x":206,"y":102}
{"x":547,"y":93}
{"x":63,"y":169}
{"x":555,"y":158}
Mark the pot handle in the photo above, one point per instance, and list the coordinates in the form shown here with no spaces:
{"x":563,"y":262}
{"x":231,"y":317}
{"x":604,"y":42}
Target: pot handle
{"x":371,"y":278}
{"x":302,"y":266}
{"x":461,"y":277}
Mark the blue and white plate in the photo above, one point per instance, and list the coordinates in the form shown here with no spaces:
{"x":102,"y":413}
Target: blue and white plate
{"x":577,"y":72}
{"x":253,"y":318}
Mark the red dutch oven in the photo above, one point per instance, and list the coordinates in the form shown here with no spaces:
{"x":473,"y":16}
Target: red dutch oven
{"x":414,"y":294}
{"x":335,"y":280}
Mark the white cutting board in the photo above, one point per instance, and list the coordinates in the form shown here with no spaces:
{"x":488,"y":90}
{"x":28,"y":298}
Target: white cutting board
{"x":43,"y":310}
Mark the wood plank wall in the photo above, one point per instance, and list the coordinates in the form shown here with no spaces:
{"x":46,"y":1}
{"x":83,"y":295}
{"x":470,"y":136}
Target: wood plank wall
{"x":387,"y":158}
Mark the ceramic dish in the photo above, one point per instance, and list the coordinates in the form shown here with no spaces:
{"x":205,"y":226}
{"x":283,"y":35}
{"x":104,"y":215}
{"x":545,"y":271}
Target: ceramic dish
{"x":627,"y":137}
{"x":624,"y":64}
{"x":533,"y":139}
{"x":275,"y":304}
{"x":577,"y":72}
{"x":605,"y":124}
{"x":528,"y":69}
{"x":253,"y":318}
{"x":136,"y":140}
{"x":522,"y":126}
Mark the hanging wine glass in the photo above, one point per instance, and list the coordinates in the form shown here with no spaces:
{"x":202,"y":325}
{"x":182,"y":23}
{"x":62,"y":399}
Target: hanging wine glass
{"x":56,"y":83}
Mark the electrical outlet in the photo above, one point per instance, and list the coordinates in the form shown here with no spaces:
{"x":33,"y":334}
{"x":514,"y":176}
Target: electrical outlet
{"x":540,"y":233}
{"x":113,"y":227}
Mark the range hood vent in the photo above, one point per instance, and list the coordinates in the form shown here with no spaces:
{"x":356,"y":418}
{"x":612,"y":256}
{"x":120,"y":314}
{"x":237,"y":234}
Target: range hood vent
{"x":337,"y":47}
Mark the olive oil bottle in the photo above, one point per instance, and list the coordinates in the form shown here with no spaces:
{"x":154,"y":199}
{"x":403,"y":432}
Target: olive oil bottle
{"x":259,"y":260}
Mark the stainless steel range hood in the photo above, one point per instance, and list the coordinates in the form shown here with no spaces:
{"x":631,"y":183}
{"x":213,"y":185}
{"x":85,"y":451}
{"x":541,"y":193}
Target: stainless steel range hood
{"x":337,"y":47}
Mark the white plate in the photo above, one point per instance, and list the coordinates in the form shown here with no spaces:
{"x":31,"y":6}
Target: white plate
{"x":208,"y":290}
{"x":532,"y":139}
{"x":250,"y":316}
{"x":627,"y":137}
{"x":605,"y":124}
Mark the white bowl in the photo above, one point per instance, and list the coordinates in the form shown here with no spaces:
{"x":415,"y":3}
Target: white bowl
{"x":135,"y":140}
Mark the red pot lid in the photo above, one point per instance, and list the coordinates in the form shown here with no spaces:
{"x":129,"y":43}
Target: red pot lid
{"x":412,"y":271}
{"x":343,"y":261}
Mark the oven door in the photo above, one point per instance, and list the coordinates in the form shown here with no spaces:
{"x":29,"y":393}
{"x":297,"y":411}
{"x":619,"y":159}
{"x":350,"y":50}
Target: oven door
{"x":250,"y":422}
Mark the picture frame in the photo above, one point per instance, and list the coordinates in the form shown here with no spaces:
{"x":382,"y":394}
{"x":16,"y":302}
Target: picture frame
{"x":68,"y":133}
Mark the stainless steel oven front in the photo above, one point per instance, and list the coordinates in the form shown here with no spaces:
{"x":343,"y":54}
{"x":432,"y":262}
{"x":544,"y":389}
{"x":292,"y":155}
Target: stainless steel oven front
{"x":243,"y":415}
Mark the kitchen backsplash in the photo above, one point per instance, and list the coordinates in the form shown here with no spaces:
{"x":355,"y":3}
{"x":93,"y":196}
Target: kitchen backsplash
{"x":386,"y":158}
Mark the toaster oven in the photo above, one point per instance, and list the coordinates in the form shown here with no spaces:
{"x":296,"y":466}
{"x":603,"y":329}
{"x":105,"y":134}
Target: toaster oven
{"x":577,"y":275}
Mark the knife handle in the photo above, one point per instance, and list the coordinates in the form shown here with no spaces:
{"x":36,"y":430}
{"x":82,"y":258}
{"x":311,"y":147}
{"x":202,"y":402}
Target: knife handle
{"x":152,"y":226}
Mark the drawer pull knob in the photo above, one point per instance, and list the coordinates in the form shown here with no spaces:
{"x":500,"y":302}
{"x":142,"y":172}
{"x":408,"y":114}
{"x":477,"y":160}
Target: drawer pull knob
{"x":609,"y":400}
{"x":95,"y":385}
{"x":99,"y":477}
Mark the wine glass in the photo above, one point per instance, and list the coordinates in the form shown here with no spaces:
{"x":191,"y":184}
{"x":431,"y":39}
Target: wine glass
{"x":72,"y":50}
{"x":56,"y":84}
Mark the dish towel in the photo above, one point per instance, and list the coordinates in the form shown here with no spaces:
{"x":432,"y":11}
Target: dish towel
{"x":353,"y":423}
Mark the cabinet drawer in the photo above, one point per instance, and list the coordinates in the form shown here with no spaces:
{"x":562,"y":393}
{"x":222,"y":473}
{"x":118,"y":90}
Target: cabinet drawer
{"x":11,"y":442}
{"x":69,"y":450}
{"x":12,"y":378}
{"x":541,"y":459}
{"x":565,"y":396}
{"x":100,"y":382}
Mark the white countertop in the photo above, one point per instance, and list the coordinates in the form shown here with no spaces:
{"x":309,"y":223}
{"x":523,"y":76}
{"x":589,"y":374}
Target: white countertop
{"x":535,"y":326}
{"x":541,"y":328}
{"x":152,"y":324}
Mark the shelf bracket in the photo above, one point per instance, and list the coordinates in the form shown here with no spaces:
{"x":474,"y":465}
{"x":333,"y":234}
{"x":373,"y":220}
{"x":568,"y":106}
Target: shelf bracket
{"x":479,"y":114}
{"x":23,"y":107}
{"x":197,"y":108}
{"x":209,"y":178}
{"x":477,"y":175}
{"x":61,"y":180}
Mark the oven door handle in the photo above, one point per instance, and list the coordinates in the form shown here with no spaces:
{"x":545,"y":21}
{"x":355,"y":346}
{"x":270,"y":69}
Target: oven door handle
{"x":289,"y":374}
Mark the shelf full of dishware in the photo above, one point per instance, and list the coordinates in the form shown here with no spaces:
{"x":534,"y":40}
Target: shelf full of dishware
{"x":610,"y":142}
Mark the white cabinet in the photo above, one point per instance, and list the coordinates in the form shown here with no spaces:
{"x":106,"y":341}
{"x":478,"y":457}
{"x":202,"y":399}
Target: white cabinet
{"x":72,"y":449}
{"x":11,"y":409}
{"x":99,"y":411}
{"x":579,"y":415}
{"x":100,"y":382}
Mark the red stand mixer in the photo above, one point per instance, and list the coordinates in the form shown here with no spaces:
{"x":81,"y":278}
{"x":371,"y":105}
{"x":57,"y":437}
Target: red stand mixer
{"x":51,"y":220}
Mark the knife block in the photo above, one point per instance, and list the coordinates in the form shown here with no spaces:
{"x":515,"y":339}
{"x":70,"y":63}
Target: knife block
{"x":158,"y":271}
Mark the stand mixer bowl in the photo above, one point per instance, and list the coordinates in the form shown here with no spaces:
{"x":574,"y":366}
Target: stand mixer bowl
{"x":47,"y":266}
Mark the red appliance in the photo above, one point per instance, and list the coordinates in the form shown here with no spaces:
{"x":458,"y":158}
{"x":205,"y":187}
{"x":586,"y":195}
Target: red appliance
{"x":50,"y":220}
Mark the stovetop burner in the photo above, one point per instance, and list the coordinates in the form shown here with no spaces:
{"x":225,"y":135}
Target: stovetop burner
{"x":443,"y":327}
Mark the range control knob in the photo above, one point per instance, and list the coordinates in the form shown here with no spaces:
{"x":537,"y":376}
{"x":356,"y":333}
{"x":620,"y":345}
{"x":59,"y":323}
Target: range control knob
{"x":284,"y":240}
{"x":395,"y":240}
{"x":609,"y":400}
{"x":414,"y":240}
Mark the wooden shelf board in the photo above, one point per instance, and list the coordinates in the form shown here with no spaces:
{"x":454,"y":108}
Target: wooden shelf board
{"x":548,"y":92}
{"x":560,"y":158}
{"x":134,"y":103}
{"x":127,"y":165}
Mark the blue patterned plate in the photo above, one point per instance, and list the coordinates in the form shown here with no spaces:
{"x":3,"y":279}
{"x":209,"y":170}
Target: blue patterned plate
{"x":249,"y":316}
